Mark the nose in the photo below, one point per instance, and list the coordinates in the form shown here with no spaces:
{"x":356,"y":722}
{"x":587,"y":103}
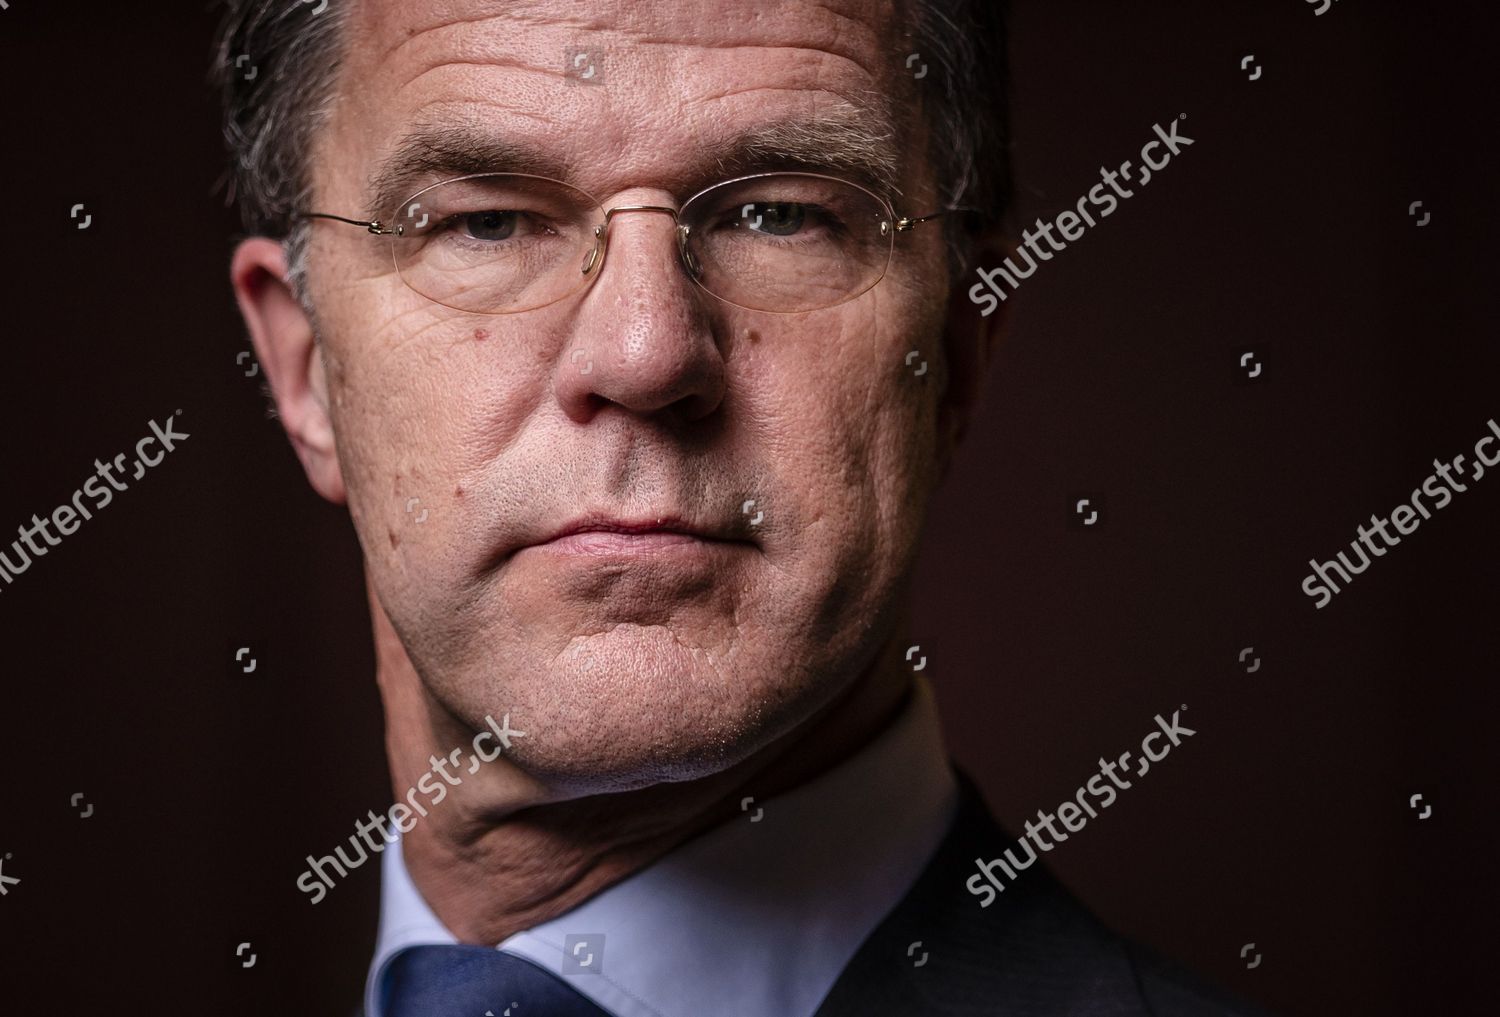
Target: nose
{"x":642,"y":338}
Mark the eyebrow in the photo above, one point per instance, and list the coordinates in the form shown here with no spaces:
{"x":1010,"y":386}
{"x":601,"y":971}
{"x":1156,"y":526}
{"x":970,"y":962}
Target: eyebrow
{"x":430,"y":152}
{"x":841,"y":139}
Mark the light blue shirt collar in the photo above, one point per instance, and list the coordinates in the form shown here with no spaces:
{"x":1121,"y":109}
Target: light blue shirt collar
{"x":753,"y":917}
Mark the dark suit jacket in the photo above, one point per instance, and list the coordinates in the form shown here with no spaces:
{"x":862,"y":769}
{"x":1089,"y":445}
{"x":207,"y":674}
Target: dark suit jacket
{"x":1034,"y":951}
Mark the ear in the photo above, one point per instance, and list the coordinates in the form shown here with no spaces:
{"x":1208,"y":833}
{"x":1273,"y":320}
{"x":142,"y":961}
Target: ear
{"x":286,"y":346}
{"x":969,"y":339}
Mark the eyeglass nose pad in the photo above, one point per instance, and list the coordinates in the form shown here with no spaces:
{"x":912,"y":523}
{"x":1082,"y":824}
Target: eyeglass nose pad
{"x":594,"y":252}
{"x":689,"y":262}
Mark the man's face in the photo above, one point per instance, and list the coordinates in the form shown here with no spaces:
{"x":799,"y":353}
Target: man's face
{"x":464,"y":441}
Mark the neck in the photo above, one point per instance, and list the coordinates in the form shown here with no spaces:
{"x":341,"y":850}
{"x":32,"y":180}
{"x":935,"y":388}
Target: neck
{"x":506,"y":853}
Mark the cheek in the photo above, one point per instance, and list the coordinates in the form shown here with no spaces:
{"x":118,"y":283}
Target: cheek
{"x":414,"y":416}
{"x":852,"y":429}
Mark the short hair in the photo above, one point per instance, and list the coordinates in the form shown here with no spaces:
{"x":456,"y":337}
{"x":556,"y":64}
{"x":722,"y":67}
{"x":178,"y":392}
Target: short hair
{"x":276,"y":64}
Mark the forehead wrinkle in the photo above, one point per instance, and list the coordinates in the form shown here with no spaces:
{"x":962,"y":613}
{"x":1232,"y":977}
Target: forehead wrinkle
{"x":467,"y":114}
{"x":818,"y":30}
{"x":826,"y":132}
{"x":507,"y":59}
{"x":632,"y":22}
{"x":838,"y":34}
{"x":502,"y":62}
{"x":489,"y":46}
{"x":824,"y":44}
{"x":514,"y":14}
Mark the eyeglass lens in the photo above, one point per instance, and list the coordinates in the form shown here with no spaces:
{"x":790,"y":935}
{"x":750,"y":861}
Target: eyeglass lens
{"x":501,"y":243}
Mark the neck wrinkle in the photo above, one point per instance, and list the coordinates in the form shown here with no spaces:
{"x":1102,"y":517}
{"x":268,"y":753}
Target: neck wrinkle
{"x":487,"y":879}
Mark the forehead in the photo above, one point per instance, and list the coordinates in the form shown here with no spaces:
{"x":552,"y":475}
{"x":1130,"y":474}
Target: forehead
{"x":674,"y":83}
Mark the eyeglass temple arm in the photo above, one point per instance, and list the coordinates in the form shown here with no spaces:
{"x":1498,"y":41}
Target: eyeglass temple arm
{"x":373,"y":226}
{"x":904,"y":223}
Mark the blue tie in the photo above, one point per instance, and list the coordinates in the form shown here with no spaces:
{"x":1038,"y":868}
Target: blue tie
{"x":465,"y":981}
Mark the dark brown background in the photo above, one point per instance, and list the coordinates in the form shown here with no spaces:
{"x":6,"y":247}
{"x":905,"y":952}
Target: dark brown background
{"x":1284,"y":821}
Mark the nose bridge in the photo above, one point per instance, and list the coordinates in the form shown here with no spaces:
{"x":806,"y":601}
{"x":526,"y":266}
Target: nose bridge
{"x":610,"y":212}
{"x":679,"y":231}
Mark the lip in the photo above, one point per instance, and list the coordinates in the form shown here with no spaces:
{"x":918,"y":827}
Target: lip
{"x":663,"y":524}
{"x":608,"y":543}
{"x":596,"y":534}
{"x":604,"y":535}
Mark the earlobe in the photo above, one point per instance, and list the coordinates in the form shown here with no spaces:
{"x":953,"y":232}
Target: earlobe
{"x":286,"y":347}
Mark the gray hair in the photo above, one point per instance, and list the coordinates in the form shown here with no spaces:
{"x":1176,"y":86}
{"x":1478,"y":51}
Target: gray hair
{"x":276,"y":65}
{"x":966,"y":43}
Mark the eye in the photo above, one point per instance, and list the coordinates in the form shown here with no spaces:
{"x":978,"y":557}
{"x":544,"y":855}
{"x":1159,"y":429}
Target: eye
{"x":777,"y":218}
{"x":490,"y":225}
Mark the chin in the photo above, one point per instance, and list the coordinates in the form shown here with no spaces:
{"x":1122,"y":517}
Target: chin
{"x":634,"y":707}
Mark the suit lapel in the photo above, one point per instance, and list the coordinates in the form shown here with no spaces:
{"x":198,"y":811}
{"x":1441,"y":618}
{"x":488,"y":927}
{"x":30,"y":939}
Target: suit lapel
{"x":1033,"y":950}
